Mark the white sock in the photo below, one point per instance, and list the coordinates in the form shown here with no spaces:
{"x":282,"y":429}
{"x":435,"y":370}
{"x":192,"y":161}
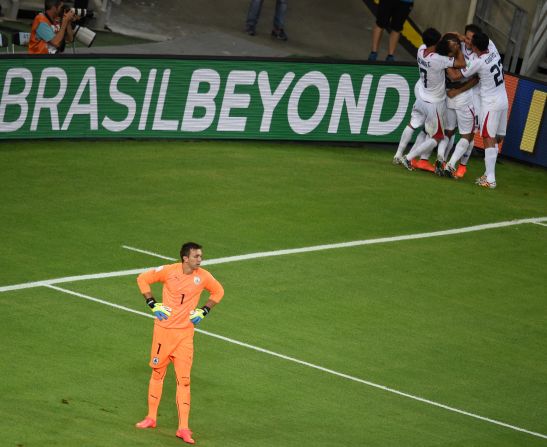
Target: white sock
{"x":461,"y":147}
{"x":490,"y":156}
{"x":419,"y":139}
{"x":441,"y":149}
{"x":467,"y":155}
{"x":449,"y":147}
{"x":425,"y":155}
{"x":405,"y":139}
{"x":428,"y":144}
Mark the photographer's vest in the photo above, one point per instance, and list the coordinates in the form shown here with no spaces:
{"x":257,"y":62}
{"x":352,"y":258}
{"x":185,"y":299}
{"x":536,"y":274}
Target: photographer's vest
{"x":37,"y":45}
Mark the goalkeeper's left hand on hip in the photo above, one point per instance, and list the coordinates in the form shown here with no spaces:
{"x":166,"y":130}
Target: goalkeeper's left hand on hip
{"x":198,"y":314}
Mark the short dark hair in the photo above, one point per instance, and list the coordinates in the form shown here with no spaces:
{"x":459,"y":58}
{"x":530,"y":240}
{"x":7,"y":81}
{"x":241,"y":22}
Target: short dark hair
{"x":48,"y":4}
{"x":451,"y":36}
{"x":443,"y":46}
{"x":431,"y":36}
{"x":481,"y":41}
{"x":186,"y":247}
{"x":473,"y":28}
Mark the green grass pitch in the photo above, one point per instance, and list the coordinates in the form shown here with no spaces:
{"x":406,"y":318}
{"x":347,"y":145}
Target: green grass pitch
{"x":458,"y":320}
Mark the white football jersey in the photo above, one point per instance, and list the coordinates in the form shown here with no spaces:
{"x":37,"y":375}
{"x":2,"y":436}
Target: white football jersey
{"x":417,"y":89}
{"x":489,"y":68}
{"x":470,"y":56}
{"x":463,"y":100}
{"x":468,"y":53}
{"x":432,"y":85}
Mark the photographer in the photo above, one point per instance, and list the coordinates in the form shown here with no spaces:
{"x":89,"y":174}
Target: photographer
{"x":51,"y":29}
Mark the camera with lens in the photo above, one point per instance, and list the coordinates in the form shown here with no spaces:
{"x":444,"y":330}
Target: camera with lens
{"x":82,"y":12}
{"x":82,"y":34}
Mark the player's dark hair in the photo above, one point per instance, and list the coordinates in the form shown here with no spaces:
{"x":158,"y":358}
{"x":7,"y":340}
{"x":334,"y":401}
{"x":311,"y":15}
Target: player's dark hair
{"x":48,"y":4}
{"x":451,"y":36}
{"x":431,"y":36}
{"x":480,"y":40}
{"x":473,"y":28}
{"x":442,"y":47}
{"x":186,"y":247}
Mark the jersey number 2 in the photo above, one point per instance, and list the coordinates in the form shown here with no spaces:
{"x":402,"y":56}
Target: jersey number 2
{"x":498,"y":73}
{"x":424,"y":71}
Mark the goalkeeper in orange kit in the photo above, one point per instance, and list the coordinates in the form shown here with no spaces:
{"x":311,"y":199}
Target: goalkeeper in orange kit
{"x":176,"y":316}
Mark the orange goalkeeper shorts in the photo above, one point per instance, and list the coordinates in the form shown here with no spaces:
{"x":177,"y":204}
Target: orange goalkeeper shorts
{"x":171,"y":344}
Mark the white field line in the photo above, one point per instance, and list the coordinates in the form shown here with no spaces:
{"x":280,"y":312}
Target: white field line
{"x":311,"y":365}
{"x":46,"y":282}
{"x":289,"y":251}
{"x":151,"y":253}
{"x":539,"y":223}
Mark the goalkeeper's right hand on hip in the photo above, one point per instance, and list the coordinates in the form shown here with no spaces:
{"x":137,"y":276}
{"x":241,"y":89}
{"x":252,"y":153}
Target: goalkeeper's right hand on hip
{"x":158,"y":309}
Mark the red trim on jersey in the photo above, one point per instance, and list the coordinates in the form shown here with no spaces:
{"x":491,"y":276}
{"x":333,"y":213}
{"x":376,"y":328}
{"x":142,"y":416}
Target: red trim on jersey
{"x":484,"y":132}
{"x":473,"y":114}
{"x":439,"y":135}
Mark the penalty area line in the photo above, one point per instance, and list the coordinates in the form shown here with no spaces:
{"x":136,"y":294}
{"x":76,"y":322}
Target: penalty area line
{"x":289,"y":251}
{"x":146,"y":252}
{"x":312,"y":365}
{"x":382,"y":240}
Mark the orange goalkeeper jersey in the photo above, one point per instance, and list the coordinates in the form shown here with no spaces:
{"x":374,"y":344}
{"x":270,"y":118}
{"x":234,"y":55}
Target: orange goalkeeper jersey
{"x":181,"y":292}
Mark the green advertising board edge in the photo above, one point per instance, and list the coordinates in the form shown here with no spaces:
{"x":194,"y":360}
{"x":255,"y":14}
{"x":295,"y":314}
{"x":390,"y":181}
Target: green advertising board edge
{"x":114,"y":96}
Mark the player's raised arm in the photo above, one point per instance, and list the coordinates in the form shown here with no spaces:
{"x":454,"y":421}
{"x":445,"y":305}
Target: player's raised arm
{"x":451,"y":93}
{"x":466,"y":72}
{"x":472,"y":69}
{"x":459,"y":58}
{"x":454,"y":74}
{"x":461,"y":37}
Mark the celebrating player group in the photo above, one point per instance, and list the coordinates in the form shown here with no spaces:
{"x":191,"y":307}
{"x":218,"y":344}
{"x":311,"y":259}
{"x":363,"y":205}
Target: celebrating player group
{"x":461,"y":86}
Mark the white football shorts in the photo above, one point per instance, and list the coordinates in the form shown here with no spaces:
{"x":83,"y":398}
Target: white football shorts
{"x":493,"y":123}
{"x":430,"y":115}
{"x":463,"y":118}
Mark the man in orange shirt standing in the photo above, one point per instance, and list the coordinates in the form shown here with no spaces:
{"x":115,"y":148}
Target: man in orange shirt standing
{"x":173,"y":339}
